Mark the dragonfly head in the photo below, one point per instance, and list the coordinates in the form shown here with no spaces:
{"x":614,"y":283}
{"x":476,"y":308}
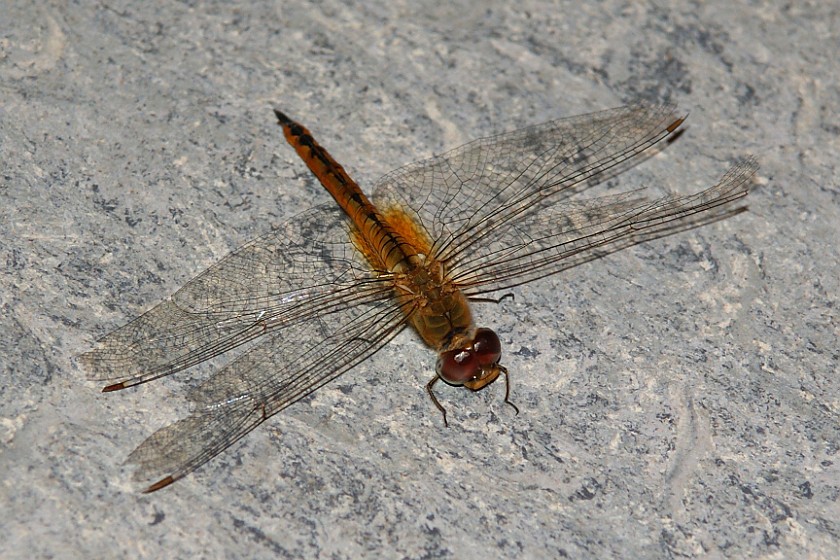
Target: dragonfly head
{"x":475,"y":364}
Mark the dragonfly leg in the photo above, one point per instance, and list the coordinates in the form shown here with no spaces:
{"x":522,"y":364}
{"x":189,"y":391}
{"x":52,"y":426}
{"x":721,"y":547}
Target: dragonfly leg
{"x":507,"y":389}
{"x":494,"y":300}
{"x":429,"y":386}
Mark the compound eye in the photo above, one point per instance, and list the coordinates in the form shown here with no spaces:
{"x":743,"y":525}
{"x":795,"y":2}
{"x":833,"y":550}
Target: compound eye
{"x":458,"y":366}
{"x":487,"y":347}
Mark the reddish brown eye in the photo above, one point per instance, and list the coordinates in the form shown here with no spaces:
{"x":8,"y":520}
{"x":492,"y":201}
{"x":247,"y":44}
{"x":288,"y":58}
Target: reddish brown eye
{"x":487,"y":347}
{"x":458,"y":366}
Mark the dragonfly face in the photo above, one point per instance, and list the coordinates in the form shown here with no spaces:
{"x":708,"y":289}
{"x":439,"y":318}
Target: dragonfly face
{"x":475,"y":365}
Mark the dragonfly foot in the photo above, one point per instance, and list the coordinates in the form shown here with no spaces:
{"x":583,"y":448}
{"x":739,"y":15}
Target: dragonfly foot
{"x":507,"y":389}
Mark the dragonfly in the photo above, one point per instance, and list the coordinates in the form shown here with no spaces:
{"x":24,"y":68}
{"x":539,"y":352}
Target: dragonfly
{"x":317,"y":296}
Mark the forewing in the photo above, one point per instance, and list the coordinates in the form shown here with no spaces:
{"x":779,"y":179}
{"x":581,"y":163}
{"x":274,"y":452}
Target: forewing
{"x":291,"y":275}
{"x":286,"y":367}
{"x":562,"y":236}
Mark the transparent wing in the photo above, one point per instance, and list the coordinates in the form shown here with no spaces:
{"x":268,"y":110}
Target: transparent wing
{"x":569,"y":234}
{"x":461,"y":197}
{"x":290,"y":276}
{"x":286,"y":367}
{"x":498,"y":211}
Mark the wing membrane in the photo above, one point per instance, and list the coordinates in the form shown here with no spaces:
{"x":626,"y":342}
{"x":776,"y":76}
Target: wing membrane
{"x":290,"y":364}
{"x":456,"y":194}
{"x":567,"y":235}
{"x":304,"y":269}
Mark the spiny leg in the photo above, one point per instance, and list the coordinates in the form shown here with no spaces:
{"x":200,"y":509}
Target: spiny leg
{"x":507,"y":388}
{"x":493,"y":300}
{"x":429,"y":386}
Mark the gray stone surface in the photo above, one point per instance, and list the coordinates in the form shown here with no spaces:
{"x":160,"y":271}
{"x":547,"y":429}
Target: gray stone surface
{"x":679,"y":399}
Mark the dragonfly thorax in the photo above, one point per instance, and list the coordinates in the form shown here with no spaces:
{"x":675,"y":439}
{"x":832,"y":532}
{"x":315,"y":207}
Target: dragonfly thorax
{"x":437,"y":309}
